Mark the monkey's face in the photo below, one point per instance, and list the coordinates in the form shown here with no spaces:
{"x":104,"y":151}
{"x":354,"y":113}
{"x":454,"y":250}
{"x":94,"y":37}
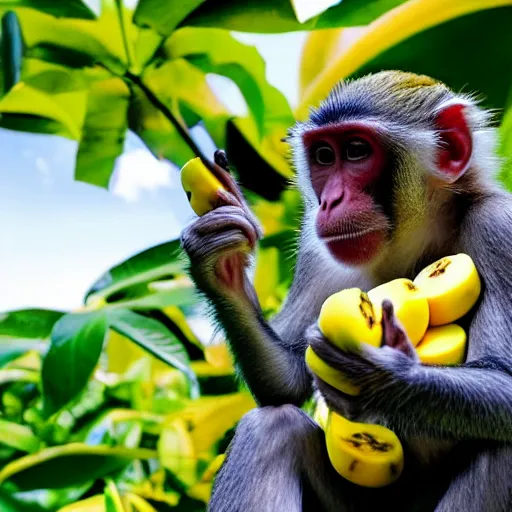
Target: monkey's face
{"x":346,"y":162}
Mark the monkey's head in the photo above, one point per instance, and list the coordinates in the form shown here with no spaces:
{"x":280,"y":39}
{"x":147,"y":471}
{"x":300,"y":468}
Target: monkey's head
{"x":378,"y":155}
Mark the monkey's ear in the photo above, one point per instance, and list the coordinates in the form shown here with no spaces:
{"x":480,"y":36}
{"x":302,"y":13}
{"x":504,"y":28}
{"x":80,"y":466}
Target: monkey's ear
{"x":456,"y":146}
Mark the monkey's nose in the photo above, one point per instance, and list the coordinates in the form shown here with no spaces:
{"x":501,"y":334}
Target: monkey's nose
{"x":331,"y":203}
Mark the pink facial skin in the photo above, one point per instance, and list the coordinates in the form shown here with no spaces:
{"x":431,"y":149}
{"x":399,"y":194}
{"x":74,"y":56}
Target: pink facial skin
{"x":348,"y":220}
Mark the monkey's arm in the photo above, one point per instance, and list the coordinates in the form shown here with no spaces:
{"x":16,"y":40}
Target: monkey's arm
{"x":271,"y":359}
{"x":472,"y":401}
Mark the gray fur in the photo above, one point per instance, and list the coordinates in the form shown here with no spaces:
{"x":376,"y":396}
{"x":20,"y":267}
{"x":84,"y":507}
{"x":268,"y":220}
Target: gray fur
{"x":455,"y":423}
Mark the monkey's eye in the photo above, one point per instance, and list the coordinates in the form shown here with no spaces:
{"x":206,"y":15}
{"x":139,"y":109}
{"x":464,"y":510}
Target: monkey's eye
{"x":356,"y":149}
{"x":324,"y":155}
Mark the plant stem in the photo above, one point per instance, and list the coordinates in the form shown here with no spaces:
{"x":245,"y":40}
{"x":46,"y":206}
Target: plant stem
{"x":170,"y":116}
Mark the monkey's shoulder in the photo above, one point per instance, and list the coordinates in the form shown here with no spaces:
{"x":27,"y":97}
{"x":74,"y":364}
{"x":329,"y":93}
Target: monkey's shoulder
{"x":487,"y":228}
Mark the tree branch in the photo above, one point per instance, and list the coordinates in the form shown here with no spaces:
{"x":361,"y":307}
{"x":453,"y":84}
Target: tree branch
{"x":157,"y":103}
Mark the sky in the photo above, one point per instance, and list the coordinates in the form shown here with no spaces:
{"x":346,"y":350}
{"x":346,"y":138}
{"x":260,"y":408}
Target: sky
{"x":57,"y":236}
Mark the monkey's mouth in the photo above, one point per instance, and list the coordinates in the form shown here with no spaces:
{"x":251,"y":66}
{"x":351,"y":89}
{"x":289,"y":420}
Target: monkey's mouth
{"x":347,"y":236}
{"x":355,"y":247}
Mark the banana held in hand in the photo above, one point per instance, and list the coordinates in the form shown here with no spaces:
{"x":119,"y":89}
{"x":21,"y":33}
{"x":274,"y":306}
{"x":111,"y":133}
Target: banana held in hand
{"x":410,"y":306}
{"x":200,"y":185}
{"x":451,"y":285}
{"x":365,"y":454}
{"x":328,"y":374}
{"x":349,"y":317}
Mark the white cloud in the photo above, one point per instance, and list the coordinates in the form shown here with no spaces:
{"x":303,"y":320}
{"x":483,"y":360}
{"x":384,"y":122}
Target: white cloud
{"x":138,"y":171}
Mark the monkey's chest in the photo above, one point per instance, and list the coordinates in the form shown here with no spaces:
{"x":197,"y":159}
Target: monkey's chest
{"x":427,"y":452}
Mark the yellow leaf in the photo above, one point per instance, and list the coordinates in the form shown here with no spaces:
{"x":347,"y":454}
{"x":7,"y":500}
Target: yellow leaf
{"x":213,"y":468}
{"x":113,"y":500}
{"x":122,"y":352}
{"x":177,"y":316}
{"x":30,"y":360}
{"x":393,"y":27}
{"x":139,"y":504}
{"x":218,"y":355}
{"x":93,"y":504}
{"x":266,"y":275}
{"x":177,"y":453}
{"x":217,"y":419}
{"x":270,"y":215}
{"x":320,"y":49}
{"x":205,"y":369}
{"x":201,"y":491}
{"x":55,"y":452}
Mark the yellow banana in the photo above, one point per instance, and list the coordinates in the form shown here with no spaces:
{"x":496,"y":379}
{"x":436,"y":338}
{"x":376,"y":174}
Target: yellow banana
{"x":200,"y":185}
{"x":451,"y":285}
{"x":365,"y":454}
{"x":443,"y":345}
{"x":411,"y":307}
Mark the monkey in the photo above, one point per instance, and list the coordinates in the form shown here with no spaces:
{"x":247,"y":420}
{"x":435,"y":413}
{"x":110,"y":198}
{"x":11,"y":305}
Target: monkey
{"x":396,"y":170}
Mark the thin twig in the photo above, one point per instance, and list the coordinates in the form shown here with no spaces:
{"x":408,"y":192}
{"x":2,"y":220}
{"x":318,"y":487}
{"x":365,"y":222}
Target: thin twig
{"x":157,"y":103}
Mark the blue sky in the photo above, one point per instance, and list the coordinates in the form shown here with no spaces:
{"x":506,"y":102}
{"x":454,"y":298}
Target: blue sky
{"x":57,"y":235}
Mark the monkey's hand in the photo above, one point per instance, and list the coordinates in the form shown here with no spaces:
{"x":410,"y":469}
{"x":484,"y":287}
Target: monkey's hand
{"x":219,"y":245}
{"x":373,"y":370}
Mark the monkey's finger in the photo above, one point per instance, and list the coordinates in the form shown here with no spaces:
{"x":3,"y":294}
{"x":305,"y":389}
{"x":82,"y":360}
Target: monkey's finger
{"x":393,"y":334}
{"x":201,"y":249}
{"x":226,"y":218}
{"x":351,"y":364}
{"x":222,"y":174}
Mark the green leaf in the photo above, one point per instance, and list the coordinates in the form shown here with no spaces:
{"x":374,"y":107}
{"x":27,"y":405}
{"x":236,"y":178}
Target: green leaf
{"x":157,"y":132}
{"x":69,"y":8}
{"x":18,"y":375}
{"x":163,"y":16}
{"x":72,"y":42}
{"x":103,"y":132}
{"x":273,"y":16}
{"x":216,"y":51}
{"x":177,"y":453}
{"x":54,"y":78}
{"x":9,"y":504}
{"x":177,"y":84}
{"x":52,"y":499}
{"x":65,"y":109}
{"x":113,"y":501}
{"x":18,"y":436}
{"x":182,"y":293}
{"x":505,"y":149}
{"x":161,"y":262}
{"x":69,"y":465}
{"x":76,"y":343}
{"x":23,"y":330}
{"x":12,"y":50}
{"x":154,"y":337}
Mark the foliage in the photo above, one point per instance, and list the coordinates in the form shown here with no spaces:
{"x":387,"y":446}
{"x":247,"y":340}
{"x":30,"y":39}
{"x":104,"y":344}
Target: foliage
{"x":122,"y":405}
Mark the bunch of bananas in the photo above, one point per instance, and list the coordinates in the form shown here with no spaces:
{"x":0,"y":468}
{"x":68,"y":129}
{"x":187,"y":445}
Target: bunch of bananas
{"x":372,"y":455}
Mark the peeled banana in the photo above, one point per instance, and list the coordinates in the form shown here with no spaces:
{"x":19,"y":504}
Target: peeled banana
{"x":365,"y":454}
{"x":410,"y":305}
{"x":371,"y":455}
{"x":443,"y":345}
{"x":328,"y":374}
{"x":451,"y":286}
{"x":200,"y":185}
{"x":349,"y":317}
